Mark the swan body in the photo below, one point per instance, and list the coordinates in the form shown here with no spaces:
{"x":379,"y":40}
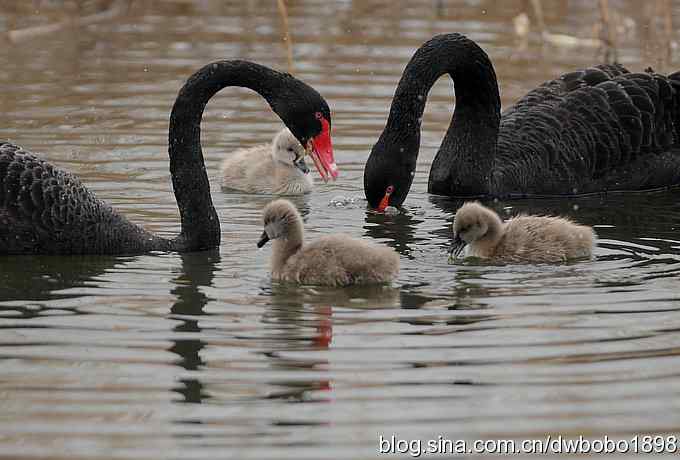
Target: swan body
{"x":45,"y":210}
{"x":278,"y":168}
{"x":480,"y":232}
{"x":595,"y":130}
{"x":333,"y":260}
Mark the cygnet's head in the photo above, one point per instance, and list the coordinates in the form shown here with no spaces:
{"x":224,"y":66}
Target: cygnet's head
{"x":277,"y":218}
{"x":288,"y":150}
{"x":471,"y":223}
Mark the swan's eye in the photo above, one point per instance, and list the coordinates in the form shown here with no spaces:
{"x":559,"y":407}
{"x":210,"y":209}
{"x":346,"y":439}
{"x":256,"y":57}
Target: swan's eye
{"x":318,"y":115}
{"x":290,"y":149}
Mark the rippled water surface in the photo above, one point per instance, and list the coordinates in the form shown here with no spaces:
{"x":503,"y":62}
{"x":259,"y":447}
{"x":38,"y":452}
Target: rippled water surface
{"x":203,"y":356}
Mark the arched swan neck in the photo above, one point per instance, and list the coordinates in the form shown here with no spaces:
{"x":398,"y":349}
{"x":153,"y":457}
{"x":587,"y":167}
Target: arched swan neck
{"x":495,"y":230}
{"x":200,"y":225}
{"x":468,"y":65}
{"x":287,"y":245}
{"x":468,"y":150}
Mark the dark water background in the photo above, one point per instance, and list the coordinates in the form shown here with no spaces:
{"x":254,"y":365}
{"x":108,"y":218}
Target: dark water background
{"x":201,"y":356}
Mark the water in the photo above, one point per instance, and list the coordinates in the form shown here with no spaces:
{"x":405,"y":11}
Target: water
{"x":203,"y":356}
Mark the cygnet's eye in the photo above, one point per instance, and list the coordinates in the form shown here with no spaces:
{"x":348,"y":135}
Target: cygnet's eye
{"x":464,"y":229}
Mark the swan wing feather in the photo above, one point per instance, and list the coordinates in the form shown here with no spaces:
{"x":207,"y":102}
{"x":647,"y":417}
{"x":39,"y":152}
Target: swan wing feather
{"x":586,"y":125}
{"x":44,"y":209}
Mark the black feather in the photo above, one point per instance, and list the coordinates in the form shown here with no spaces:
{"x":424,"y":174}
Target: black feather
{"x":592,"y":130}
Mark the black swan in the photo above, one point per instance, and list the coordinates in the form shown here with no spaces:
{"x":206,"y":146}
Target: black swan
{"x":594,"y":130}
{"x":44,"y":210}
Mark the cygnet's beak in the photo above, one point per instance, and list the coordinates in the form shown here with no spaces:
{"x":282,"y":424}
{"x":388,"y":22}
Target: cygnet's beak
{"x":456,"y":248}
{"x":300,"y":164}
{"x":320,"y":149}
{"x":263,"y":239}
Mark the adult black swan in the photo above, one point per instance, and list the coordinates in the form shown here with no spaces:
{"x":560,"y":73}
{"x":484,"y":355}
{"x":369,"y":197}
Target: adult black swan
{"x":595,"y":130}
{"x":44,"y":210}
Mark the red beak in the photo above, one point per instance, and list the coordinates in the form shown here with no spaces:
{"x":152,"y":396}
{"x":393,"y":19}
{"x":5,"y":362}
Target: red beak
{"x":322,"y":153}
{"x":385,"y":202}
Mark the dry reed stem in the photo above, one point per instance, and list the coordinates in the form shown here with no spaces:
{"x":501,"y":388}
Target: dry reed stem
{"x":283,"y":10}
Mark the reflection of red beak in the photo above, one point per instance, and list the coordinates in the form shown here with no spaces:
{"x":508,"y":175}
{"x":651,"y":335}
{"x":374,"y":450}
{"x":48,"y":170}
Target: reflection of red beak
{"x":385,"y":202}
{"x":321,"y":152}
{"x":325,"y":328}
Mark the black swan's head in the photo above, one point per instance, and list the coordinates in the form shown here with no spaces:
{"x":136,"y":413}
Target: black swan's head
{"x":307,"y":116}
{"x":388,"y":174}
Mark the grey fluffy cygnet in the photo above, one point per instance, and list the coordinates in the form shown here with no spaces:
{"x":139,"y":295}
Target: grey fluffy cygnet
{"x":278,"y":168}
{"x":333,"y":260}
{"x":480,"y":232}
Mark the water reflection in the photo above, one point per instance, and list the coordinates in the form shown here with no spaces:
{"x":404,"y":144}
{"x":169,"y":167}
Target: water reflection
{"x":399,"y":230}
{"x":298,"y":325}
{"x":197,"y":271}
{"x":38,"y":278}
{"x":203,"y":356}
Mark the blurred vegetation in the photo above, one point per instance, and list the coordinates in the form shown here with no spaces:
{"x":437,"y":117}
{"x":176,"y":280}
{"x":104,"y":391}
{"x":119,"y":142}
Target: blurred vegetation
{"x":535,"y":22}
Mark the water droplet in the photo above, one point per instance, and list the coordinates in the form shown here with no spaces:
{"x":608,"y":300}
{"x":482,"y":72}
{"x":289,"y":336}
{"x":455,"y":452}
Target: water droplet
{"x":391,"y":211}
{"x":341,"y":201}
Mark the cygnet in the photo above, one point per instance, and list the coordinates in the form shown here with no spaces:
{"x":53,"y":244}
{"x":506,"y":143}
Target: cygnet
{"x":278,"y":168}
{"x":333,"y":260}
{"x":479,"y":232}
